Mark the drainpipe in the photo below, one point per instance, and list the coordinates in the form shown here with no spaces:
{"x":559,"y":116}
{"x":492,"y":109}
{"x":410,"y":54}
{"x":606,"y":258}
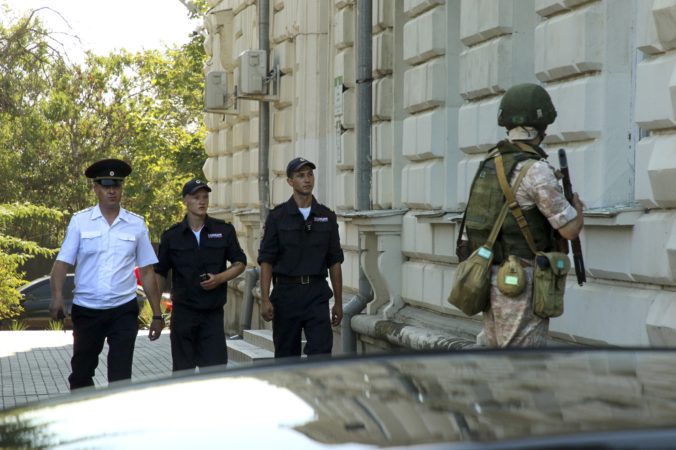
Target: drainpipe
{"x":264,"y":117}
{"x":250,"y":280}
{"x":363,"y":161}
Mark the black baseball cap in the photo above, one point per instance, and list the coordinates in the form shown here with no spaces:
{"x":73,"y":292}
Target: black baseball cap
{"x":108,"y":172}
{"x":193,"y":186}
{"x":295,"y":165}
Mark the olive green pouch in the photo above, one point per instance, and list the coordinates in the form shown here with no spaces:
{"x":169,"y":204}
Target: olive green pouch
{"x":549,"y":283}
{"x":511,"y":277}
{"x":471,"y":292}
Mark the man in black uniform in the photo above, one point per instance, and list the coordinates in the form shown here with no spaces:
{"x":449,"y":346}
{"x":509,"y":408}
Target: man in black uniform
{"x":196,"y":249}
{"x":299,"y":245}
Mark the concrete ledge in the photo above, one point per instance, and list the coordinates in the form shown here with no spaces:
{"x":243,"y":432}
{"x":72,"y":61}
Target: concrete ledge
{"x":407,"y":336}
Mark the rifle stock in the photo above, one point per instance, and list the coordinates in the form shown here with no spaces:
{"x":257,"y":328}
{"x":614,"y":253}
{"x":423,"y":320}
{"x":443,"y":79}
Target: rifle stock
{"x":575,"y":243}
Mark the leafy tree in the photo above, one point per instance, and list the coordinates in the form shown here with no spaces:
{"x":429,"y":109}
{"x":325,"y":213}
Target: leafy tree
{"x":56,"y":118}
{"x":31,"y":227}
{"x":144,"y":108}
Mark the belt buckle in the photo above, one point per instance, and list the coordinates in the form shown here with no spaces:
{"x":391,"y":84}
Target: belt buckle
{"x":305,"y":279}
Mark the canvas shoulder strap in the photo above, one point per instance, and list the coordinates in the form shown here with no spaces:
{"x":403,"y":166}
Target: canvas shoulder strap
{"x":503,"y":212}
{"x":511,"y":200}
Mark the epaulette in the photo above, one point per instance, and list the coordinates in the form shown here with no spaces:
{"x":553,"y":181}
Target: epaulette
{"x":84,"y":210}
{"x":135,"y":215}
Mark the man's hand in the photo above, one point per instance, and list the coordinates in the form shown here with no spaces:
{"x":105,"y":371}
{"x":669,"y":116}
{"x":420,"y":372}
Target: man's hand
{"x":336,"y":314}
{"x":577,"y":203}
{"x":155,"y":329}
{"x":267,"y":310}
{"x":57,"y":309}
{"x":212,"y":282}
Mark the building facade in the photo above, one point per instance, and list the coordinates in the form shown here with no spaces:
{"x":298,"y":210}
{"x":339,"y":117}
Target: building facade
{"x":439,"y":70}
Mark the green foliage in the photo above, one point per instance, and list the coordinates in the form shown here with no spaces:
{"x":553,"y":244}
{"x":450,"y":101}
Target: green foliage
{"x":56,"y":118}
{"x":10,"y":281}
{"x":145,"y":108}
{"x":18,"y":325}
{"x":25,"y":231}
{"x":55,"y":325}
{"x":34,"y":225}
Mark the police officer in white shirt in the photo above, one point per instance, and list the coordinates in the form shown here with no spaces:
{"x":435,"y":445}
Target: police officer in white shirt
{"x":104,"y":243}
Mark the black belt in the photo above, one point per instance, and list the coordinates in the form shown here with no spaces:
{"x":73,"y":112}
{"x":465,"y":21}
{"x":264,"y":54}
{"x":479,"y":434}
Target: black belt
{"x":303,"y":279}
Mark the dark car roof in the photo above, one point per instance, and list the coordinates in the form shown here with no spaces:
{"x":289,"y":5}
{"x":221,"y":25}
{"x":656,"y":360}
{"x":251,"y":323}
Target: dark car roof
{"x":467,"y":399}
{"x":69,"y":280}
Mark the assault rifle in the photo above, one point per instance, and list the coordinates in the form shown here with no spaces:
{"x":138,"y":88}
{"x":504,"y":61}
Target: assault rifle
{"x":575,"y":243}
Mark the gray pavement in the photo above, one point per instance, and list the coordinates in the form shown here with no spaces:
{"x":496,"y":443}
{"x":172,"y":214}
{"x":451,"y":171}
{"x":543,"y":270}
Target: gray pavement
{"x":35,"y":365}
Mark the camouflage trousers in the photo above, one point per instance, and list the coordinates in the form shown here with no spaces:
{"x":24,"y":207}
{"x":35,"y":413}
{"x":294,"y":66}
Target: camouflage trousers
{"x":510,"y":321}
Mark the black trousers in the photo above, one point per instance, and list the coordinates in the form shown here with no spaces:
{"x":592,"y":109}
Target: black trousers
{"x":197,"y":338}
{"x":301,"y":308}
{"x":91,"y":328}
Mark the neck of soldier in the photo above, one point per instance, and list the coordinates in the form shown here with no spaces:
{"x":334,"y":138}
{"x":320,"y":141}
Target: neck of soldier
{"x":535,"y":142}
{"x":110,"y":212}
{"x":196,"y":221}
{"x":302,"y":200}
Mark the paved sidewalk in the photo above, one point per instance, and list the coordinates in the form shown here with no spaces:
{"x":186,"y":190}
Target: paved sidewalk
{"x":35,"y":365}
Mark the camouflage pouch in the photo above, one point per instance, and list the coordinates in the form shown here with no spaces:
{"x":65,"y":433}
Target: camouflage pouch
{"x":549,"y":283}
{"x":471,"y":292}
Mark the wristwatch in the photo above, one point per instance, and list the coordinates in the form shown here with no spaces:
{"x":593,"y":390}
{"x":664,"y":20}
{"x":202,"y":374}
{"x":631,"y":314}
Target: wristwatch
{"x":158,"y":318}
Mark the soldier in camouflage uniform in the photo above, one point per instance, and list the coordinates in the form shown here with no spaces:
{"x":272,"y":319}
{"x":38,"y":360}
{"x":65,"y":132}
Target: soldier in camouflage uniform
{"x":525,"y":110}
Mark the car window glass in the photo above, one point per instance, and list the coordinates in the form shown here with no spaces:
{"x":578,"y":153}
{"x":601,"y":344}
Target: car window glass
{"x":41,"y":290}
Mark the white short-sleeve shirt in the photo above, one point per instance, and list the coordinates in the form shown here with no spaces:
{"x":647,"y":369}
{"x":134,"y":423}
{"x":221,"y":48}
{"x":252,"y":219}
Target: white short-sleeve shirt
{"x":105,"y":256}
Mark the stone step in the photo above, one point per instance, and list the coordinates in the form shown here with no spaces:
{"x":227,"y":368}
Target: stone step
{"x":242,"y":352}
{"x":263,"y":339}
{"x":260,"y":338}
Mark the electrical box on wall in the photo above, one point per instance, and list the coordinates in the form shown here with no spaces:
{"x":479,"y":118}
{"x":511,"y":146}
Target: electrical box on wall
{"x":253,"y":68}
{"x":216,"y":91}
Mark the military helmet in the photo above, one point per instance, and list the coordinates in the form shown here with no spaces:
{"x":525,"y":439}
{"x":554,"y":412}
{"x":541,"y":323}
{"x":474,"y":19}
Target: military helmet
{"x":526,"y":104}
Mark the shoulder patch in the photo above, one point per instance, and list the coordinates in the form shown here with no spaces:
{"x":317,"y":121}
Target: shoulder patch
{"x":83,"y":210}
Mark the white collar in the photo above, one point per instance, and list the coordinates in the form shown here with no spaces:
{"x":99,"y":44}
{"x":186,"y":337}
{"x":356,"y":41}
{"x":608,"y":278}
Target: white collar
{"x":96,"y":213}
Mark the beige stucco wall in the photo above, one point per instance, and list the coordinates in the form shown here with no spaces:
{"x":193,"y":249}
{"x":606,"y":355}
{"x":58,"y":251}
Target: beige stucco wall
{"x":440,"y":69}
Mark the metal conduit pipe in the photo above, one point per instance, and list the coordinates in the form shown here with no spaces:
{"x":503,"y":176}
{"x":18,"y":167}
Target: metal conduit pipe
{"x":356,"y":305}
{"x":250,"y":279}
{"x":363,"y":159}
{"x":264,"y":117}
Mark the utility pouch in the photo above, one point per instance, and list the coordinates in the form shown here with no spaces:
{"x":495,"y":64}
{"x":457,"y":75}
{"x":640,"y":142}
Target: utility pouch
{"x":471,"y":291}
{"x":511,"y":277}
{"x":549,"y":283}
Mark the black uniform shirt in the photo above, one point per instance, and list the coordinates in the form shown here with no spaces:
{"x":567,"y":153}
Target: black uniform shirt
{"x":295,"y":246}
{"x":180,"y":252}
